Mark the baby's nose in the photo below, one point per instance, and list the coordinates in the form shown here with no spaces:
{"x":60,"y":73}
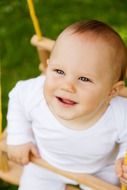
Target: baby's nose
{"x":68,"y":86}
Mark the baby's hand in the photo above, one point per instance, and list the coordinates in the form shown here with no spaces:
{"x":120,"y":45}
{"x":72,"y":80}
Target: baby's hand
{"x":121,"y":170}
{"x":21,"y":153}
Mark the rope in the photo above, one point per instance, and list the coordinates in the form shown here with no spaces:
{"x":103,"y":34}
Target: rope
{"x":34,"y":19}
{"x":123,"y":186}
{"x":0,"y":113}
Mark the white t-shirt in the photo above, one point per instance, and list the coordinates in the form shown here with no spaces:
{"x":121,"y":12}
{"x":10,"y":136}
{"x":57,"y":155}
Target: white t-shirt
{"x":89,"y":150}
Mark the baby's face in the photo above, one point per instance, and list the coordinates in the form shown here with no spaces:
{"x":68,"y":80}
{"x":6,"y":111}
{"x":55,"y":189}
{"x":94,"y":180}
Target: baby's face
{"x":79,"y":78}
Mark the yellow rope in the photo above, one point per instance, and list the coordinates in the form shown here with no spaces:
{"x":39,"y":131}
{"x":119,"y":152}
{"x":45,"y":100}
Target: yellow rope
{"x":34,"y":19}
{"x":3,"y":156}
{"x":124,"y":187}
{"x":0,"y":112}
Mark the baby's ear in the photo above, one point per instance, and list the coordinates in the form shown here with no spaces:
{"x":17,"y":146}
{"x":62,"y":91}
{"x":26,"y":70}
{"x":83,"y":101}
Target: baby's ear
{"x":115,"y":91}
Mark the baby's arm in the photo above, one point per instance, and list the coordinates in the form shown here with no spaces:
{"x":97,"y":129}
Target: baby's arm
{"x":19,"y":129}
{"x":21,"y":153}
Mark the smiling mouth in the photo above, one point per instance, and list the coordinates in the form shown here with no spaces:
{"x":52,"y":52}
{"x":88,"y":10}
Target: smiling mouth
{"x":66,"y":101}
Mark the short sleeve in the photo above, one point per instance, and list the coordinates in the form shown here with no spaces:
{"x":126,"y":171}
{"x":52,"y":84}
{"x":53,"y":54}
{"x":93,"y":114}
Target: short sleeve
{"x":19,"y":129}
{"x":122,"y":127}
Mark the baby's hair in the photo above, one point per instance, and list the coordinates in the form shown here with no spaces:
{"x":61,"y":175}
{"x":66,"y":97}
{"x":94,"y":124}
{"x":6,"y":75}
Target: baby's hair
{"x":110,"y":36}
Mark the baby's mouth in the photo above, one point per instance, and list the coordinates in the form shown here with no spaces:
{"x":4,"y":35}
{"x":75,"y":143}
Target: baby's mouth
{"x":66,"y":101}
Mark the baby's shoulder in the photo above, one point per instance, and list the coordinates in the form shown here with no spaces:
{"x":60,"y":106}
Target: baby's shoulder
{"x":27,"y":91}
{"x":31,"y":85}
{"x":119,"y":108}
{"x":119,"y":103}
{"x":119,"y":115}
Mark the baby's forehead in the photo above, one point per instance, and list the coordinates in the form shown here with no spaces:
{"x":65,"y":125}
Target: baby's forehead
{"x":97,"y":35}
{"x":87,"y":37}
{"x":74,"y":47}
{"x":68,"y":41}
{"x":74,"y":42}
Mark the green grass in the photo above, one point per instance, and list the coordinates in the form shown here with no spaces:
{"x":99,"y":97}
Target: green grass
{"x":6,"y":186}
{"x":19,"y":59}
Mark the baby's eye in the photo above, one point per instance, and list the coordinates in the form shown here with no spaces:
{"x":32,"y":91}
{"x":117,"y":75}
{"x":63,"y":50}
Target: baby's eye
{"x":60,"y":72}
{"x":85,"y":79}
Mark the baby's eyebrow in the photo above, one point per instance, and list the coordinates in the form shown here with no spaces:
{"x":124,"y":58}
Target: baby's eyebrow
{"x":54,"y":63}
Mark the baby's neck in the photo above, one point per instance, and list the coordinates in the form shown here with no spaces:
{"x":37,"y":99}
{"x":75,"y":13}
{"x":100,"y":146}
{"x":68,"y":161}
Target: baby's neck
{"x":82,"y":123}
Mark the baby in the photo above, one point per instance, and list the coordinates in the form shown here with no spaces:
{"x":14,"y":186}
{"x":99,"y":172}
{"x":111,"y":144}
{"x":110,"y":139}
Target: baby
{"x":73,"y":117}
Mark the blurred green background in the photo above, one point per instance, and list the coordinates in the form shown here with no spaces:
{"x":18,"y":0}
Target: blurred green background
{"x":19,"y":60}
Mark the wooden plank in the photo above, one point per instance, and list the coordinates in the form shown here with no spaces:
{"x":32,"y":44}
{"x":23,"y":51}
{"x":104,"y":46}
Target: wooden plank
{"x":44,"y":48}
{"x":45,"y":43}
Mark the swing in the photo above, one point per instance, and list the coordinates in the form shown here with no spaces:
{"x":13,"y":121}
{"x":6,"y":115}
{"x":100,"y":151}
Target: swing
{"x":10,"y":171}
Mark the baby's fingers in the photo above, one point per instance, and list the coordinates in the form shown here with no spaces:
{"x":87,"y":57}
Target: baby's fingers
{"x":124,"y":168}
{"x":118,"y":167}
{"x":11,"y":157}
{"x":24,"y":161}
{"x":34,"y":151}
{"x":123,"y":181}
{"x":19,"y":159}
{"x":124,"y":171}
{"x":14,"y":158}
